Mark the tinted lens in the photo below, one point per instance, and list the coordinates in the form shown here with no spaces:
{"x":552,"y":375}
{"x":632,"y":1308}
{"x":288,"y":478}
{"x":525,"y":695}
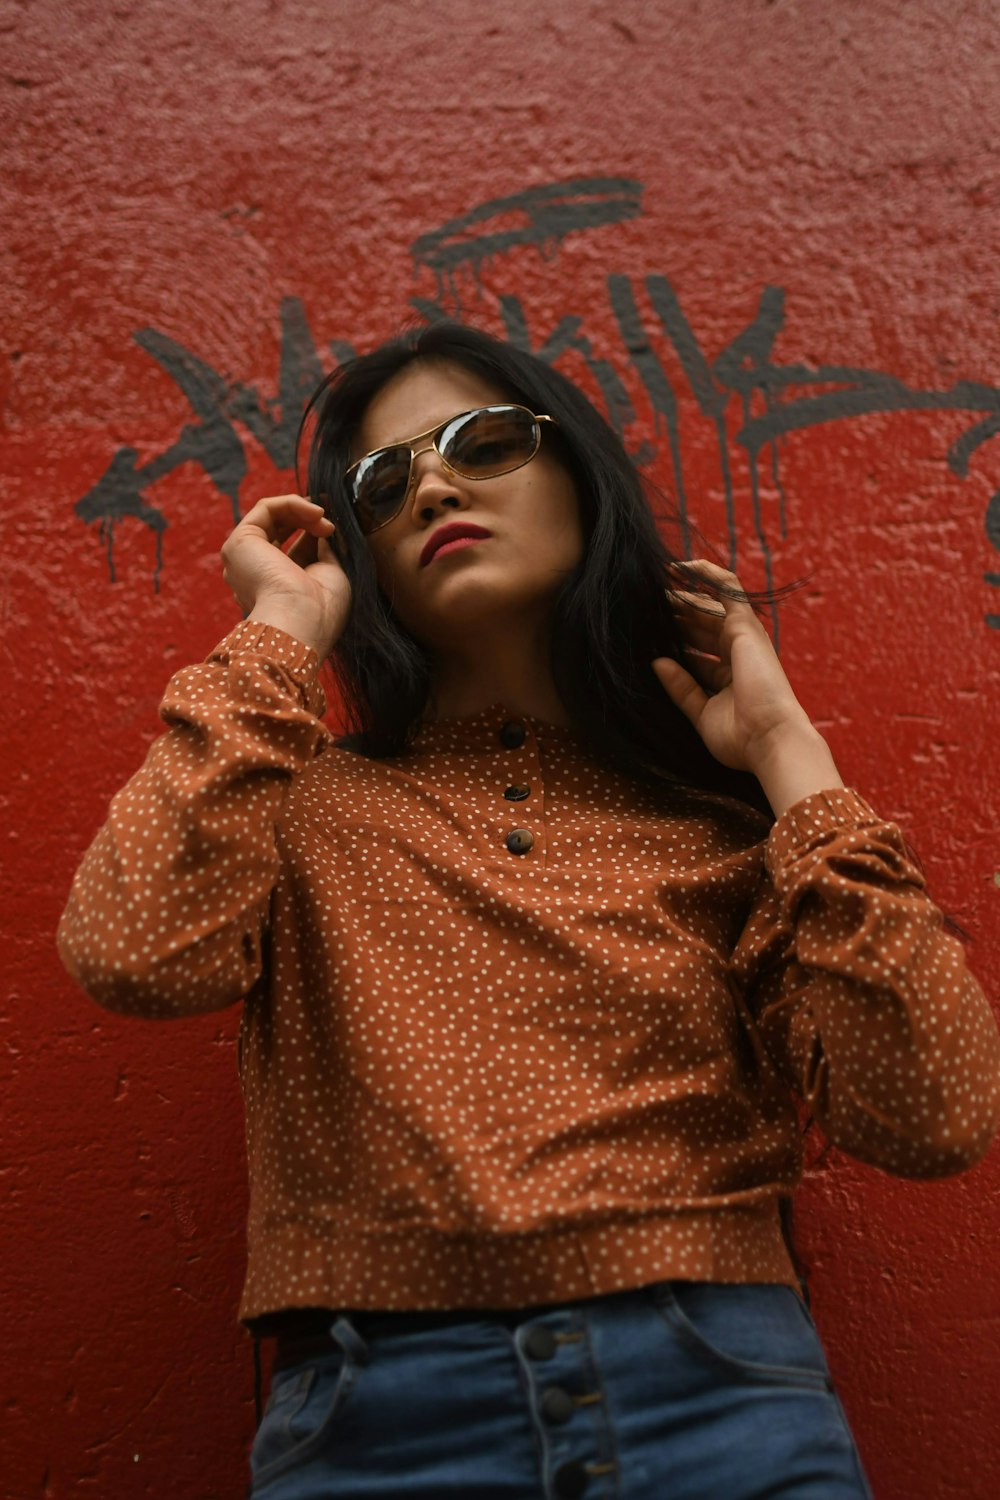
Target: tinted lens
{"x":489,"y":441}
{"x":379,"y":484}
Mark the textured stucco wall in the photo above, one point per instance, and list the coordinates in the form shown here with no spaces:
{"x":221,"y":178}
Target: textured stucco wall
{"x":205,"y":203}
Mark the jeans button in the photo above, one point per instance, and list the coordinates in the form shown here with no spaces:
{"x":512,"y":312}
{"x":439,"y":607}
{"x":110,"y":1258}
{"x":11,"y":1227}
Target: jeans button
{"x":557,"y":1405}
{"x":540,"y":1342}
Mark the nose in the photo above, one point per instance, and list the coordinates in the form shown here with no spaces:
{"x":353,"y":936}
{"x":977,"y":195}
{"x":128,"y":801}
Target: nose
{"x":432,"y":483}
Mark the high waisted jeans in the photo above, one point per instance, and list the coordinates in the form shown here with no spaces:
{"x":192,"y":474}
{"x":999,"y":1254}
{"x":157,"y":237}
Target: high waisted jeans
{"x":675,"y":1391}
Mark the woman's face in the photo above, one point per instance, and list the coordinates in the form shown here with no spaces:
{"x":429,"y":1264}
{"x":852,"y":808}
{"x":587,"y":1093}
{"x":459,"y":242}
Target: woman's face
{"x":532,"y":516}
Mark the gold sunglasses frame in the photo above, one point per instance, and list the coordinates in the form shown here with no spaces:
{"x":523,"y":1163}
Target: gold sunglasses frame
{"x":434,"y":433}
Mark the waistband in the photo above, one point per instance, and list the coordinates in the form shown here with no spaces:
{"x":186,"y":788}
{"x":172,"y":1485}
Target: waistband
{"x":306,"y":1332}
{"x":302,"y":1332}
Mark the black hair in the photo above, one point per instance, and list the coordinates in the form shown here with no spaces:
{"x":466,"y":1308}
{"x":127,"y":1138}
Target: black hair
{"x":611,"y":617}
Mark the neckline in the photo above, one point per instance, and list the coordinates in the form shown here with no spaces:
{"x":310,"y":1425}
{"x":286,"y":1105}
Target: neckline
{"x":489,"y":720}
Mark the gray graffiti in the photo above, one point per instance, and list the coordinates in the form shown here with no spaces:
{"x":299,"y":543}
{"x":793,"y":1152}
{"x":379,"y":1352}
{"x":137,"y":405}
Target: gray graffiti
{"x":744,"y":371}
{"x":540,"y":216}
{"x":213,"y":441}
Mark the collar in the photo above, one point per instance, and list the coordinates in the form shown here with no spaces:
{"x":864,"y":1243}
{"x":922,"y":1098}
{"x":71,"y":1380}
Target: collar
{"x":483,"y":729}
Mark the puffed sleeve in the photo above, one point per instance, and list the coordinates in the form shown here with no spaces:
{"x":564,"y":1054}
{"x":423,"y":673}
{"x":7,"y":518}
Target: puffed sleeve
{"x":862,"y":999}
{"x":169,"y":905}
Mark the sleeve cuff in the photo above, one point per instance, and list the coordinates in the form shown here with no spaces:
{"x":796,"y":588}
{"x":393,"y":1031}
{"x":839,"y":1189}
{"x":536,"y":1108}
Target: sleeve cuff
{"x":297,"y":660}
{"x":808,"y":822}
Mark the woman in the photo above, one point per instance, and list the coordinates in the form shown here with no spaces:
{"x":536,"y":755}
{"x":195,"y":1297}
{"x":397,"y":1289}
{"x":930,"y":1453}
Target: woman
{"x":535,"y":962}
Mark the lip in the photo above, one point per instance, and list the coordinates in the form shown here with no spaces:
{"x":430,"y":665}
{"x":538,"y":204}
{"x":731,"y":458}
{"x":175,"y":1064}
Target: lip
{"x":450,"y":533}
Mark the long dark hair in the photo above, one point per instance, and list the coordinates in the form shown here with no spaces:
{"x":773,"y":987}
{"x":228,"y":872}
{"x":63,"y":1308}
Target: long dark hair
{"x":611,"y":617}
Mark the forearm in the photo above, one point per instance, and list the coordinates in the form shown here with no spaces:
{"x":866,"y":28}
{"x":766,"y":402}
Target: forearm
{"x":864,"y":1002}
{"x":168,"y":905}
{"x":905,"y":1085}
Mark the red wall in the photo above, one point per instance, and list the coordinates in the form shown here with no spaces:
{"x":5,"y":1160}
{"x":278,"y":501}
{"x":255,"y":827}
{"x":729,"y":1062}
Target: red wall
{"x":211,"y":201}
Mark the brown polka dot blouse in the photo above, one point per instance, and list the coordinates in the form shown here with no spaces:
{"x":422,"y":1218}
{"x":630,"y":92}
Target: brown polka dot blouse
{"x":516,"y":1030}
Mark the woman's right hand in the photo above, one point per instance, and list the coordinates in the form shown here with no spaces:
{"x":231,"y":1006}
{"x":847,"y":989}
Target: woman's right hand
{"x":303,"y":591}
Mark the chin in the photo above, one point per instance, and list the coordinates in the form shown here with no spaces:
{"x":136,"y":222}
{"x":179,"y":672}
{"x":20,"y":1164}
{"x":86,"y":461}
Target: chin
{"x":474,"y":606}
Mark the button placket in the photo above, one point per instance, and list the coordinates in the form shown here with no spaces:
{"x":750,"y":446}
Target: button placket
{"x":521,"y":840}
{"x":566,"y":1409}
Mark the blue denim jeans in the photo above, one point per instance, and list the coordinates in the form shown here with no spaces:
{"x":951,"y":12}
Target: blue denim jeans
{"x":675,"y":1391}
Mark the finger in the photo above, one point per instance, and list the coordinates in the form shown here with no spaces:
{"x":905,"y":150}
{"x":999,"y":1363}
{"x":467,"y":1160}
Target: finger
{"x":700,"y":623}
{"x":704,"y":623}
{"x":704,"y":565}
{"x":315,"y":527}
{"x":282,"y":505}
{"x":307,"y":550}
{"x":700,"y":603}
{"x":681,"y":687}
{"x":278,"y":516}
{"x":708,"y":669}
{"x":304,"y":549}
{"x":695,"y":638}
{"x":719,"y":575}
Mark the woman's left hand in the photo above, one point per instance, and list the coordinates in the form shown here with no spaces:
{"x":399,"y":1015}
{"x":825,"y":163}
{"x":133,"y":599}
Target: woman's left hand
{"x":741,"y":702}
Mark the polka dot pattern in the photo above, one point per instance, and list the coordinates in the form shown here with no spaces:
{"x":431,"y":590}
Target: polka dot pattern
{"x":485,"y":1072}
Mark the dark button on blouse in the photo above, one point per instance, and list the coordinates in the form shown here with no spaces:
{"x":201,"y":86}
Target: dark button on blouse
{"x":556,"y":1405}
{"x":517,"y":792}
{"x":570,"y":1480}
{"x":512,"y":734}
{"x":540,"y":1342}
{"x":519,"y":841}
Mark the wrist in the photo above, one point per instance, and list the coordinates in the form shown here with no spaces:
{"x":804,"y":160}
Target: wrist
{"x":794,"y":763}
{"x":284,"y":614}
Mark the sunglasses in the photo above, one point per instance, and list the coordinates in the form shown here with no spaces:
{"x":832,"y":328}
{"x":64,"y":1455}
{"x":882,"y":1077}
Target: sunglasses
{"x":479,"y":444}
